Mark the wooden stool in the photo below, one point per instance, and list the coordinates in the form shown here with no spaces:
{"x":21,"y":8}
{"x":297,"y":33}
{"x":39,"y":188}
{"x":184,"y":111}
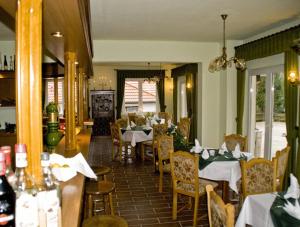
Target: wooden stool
{"x":99,"y":188}
{"x":105,"y":221}
{"x":101,"y":171}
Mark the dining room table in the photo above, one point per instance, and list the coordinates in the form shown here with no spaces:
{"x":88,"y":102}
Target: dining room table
{"x":226,"y":170}
{"x":137,"y":134}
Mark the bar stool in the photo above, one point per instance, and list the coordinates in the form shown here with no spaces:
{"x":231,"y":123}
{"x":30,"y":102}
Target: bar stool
{"x":101,"y":171}
{"x":96,"y":189}
{"x":105,"y":221}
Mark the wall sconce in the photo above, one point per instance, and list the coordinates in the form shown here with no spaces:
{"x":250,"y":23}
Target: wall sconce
{"x":189,"y":85}
{"x":293,"y":79}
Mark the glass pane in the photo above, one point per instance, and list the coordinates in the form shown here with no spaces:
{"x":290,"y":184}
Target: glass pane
{"x":131,"y":96}
{"x":279,"y":126}
{"x":183,"y":110}
{"x":50,"y":89}
{"x":149,"y":97}
{"x":260,"y":121}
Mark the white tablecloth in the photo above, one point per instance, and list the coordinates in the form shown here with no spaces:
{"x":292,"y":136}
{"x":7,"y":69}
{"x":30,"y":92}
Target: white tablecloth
{"x":224,"y":171}
{"x":134,"y":137}
{"x":256,"y":211}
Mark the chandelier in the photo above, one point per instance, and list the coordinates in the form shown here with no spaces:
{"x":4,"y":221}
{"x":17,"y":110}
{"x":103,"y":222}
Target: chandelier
{"x":221,"y":62}
{"x":152,"y":79}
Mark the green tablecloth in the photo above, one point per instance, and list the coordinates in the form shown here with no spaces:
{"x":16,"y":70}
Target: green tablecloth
{"x":279,"y":217}
{"x":218,"y":157}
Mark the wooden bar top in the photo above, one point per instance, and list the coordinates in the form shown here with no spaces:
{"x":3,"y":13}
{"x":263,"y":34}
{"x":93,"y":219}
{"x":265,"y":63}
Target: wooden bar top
{"x":73,"y":189}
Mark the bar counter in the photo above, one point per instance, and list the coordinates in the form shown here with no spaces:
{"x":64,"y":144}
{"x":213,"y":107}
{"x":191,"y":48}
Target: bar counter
{"x":73,"y":190}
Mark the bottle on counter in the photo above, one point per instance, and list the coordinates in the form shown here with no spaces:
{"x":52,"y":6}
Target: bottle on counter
{"x":26,"y":191}
{"x":7,"y":197}
{"x":9,"y":173}
{"x":49,"y":196}
{"x":5,"y":66}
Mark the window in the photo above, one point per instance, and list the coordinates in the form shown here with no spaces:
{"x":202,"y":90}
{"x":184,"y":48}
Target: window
{"x":140,"y":96}
{"x":50,"y":93}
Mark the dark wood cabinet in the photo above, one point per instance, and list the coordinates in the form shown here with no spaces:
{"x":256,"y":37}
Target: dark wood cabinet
{"x":102,"y":111}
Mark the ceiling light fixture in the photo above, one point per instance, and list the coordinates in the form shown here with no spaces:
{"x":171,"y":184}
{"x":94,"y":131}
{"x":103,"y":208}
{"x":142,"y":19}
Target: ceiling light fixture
{"x":150,"y":78}
{"x":221,"y":62}
{"x":57,"y":34}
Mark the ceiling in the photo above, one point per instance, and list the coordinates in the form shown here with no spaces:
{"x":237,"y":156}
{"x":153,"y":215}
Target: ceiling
{"x":188,"y":20}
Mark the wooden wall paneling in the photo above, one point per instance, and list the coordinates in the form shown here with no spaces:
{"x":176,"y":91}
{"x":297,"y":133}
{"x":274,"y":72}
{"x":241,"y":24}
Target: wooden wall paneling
{"x":80,"y":97}
{"x":69,"y":85}
{"x":85,"y":98}
{"x":29,"y":81}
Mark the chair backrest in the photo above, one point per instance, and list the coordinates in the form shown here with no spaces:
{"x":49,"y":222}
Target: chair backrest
{"x":158,"y":130}
{"x":184,"y":126}
{"x":219,"y":214}
{"x":232,"y":140}
{"x":122,"y":122}
{"x":258,"y":176}
{"x":131,"y":117}
{"x":184,"y":170}
{"x":115,"y":132}
{"x":164,"y":146}
{"x":165,"y":115}
{"x":139,"y":121}
{"x":282,"y":161}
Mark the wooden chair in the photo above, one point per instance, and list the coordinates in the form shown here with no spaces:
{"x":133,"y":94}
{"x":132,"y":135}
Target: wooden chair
{"x":282,"y":157}
{"x":258,"y":176}
{"x":184,"y":169}
{"x":164,"y":147}
{"x":219,"y":214}
{"x":232,"y":140}
{"x":165,"y":115}
{"x":117,"y":141}
{"x":131,"y":117}
{"x":140,"y":121}
{"x":158,"y":130}
{"x":184,"y":126}
{"x":122,"y":122}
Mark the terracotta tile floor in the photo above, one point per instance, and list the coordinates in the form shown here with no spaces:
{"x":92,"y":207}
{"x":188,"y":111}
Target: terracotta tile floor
{"x":136,"y":197}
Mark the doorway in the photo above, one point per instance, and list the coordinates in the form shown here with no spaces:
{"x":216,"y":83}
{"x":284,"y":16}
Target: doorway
{"x":266,"y":124}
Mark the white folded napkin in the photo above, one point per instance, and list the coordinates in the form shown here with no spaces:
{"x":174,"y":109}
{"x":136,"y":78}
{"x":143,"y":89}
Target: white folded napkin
{"x":148,"y":123}
{"x":293,"y":190}
{"x":237,"y":152}
{"x":128,"y":127}
{"x":162,"y":121}
{"x":205,"y":154}
{"x":153,"y":122}
{"x":132,"y":124}
{"x":292,"y":210}
{"x":224,"y":147}
{"x":197,"y":148}
{"x":169,"y":123}
{"x":76,"y":164}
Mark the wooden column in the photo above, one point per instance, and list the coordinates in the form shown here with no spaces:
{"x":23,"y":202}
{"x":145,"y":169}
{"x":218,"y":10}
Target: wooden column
{"x":70,"y":69}
{"x":80,"y":97}
{"x":29,"y":81}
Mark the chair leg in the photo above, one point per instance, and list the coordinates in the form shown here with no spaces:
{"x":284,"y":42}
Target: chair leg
{"x":195,"y":211}
{"x":120,"y":152}
{"x":190,"y":203}
{"x":111,"y":204}
{"x":174,"y":211}
{"x":113,"y":152}
{"x":90,"y":206}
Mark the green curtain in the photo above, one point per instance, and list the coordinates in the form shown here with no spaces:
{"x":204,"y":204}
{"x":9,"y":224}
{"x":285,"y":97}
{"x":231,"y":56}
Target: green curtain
{"x":175,"y":79}
{"x":291,"y":64}
{"x":241,"y":77}
{"x":120,"y":92}
{"x":161,"y":94}
{"x":277,"y":43}
{"x":123,"y":74}
{"x":190,"y":72}
{"x":192,"y":104}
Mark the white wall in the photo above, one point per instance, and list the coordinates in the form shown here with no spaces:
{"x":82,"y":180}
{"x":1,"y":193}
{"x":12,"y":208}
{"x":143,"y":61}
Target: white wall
{"x":209,"y":93}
